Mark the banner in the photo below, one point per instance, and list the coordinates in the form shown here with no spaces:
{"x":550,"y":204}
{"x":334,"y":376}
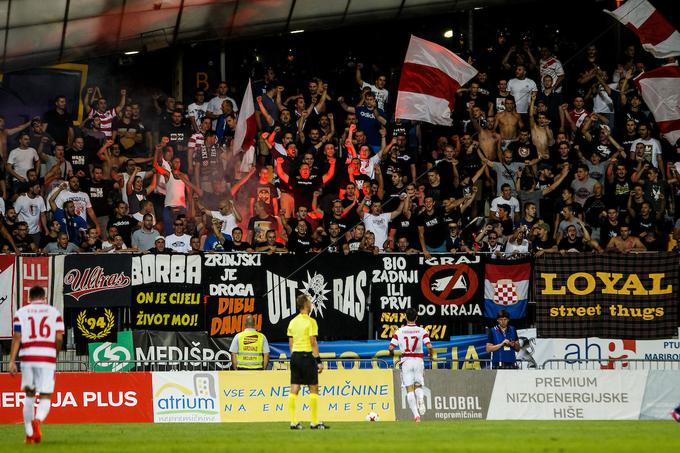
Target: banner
{"x":233,"y":291}
{"x":610,"y":353}
{"x":662,"y":394}
{"x":93,"y":324}
{"x":608,"y":296}
{"x":167,"y":293}
{"x":6,"y":295}
{"x":338,"y":286}
{"x":465,"y":396}
{"x":506,"y":287}
{"x":110,"y":356}
{"x":85,"y":398}
{"x":446,"y":290}
{"x":181,"y":349}
{"x":188,"y":397}
{"x":35,"y":271}
{"x":96,"y":280}
{"x":567,"y":395}
{"x":465,"y":351}
{"x":347,"y":395}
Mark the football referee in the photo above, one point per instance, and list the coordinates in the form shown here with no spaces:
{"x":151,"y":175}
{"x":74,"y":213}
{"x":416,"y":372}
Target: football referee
{"x":305,"y":363}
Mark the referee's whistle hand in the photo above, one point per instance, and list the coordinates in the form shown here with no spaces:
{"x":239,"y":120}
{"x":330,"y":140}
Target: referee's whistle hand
{"x":320,"y":367}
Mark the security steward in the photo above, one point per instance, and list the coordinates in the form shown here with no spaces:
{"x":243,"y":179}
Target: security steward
{"x":249,"y":349}
{"x":305,"y":362}
{"x":502,"y":343}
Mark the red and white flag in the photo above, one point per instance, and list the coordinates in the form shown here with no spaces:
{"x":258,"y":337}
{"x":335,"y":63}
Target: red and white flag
{"x":660,"y":89}
{"x":656,"y":34}
{"x":429,"y":80}
{"x":246,"y":129}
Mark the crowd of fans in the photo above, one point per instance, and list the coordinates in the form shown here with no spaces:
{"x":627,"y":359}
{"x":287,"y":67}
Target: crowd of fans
{"x":540,"y":159}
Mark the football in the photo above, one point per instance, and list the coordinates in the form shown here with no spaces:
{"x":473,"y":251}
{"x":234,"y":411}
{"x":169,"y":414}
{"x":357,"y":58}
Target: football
{"x":372,"y":417}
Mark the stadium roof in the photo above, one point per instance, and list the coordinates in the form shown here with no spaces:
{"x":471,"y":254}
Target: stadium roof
{"x":40,"y":32}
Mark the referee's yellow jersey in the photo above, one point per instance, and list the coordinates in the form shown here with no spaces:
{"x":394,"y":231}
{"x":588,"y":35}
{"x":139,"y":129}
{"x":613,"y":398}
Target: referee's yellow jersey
{"x":301,"y":328}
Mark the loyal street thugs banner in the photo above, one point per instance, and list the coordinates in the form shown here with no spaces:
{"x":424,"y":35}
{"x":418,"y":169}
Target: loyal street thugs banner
{"x":167,"y":293}
{"x":446,"y":290}
{"x":607,"y":296}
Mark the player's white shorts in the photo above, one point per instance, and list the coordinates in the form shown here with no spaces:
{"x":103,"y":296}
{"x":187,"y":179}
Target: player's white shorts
{"x":38,"y":378}
{"x":412,"y":372}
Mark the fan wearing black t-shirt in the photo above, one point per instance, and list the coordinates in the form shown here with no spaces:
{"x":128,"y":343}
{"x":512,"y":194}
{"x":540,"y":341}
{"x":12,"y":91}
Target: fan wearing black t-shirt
{"x":304,"y":184}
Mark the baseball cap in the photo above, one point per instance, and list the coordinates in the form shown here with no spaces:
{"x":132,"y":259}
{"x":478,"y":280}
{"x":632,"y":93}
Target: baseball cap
{"x":544,"y":226}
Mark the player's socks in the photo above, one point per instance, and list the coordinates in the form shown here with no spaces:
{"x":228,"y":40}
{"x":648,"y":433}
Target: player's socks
{"x":43,"y":409}
{"x":420,"y":400}
{"x":292,"y":399}
{"x":313,"y":405}
{"x":411,"y":398}
{"x":28,"y":415}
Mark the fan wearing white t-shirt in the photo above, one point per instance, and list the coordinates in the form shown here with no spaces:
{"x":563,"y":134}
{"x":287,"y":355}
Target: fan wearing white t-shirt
{"x":80,"y":199}
{"x":178,"y":242}
{"x":377,"y":221}
{"x":22,"y":159}
{"x":30,"y":208}
{"x":196,"y":110}
{"x":381,"y":94}
{"x":521,"y":88}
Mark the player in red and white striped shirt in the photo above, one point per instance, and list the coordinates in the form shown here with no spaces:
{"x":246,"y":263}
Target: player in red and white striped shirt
{"x":38,"y":335}
{"x":410,"y":340}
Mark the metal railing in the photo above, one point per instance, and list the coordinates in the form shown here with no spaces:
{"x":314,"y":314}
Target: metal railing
{"x":62,"y":365}
{"x":339,"y":363}
{"x":347,"y":363}
{"x":162,"y":365}
{"x":610,"y":364}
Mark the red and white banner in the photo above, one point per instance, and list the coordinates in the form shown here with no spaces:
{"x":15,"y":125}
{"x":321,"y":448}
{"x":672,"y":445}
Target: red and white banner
{"x":34,"y":271}
{"x":86,"y":398}
{"x":246,"y":128}
{"x":656,"y":34}
{"x":6,"y":295}
{"x":430,"y":77}
{"x":660,"y":89}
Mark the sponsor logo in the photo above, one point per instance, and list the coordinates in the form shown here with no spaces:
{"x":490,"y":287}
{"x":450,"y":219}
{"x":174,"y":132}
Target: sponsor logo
{"x":195,"y":355}
{"x":185,"y":397}
{"x":93,"y":280}
{"x":110,"y":356}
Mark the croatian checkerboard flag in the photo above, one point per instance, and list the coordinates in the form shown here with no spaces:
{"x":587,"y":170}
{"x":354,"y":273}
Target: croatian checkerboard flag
{"x":506,"y":287}
{"x":430,"y":77}
{"x":656,"y":34}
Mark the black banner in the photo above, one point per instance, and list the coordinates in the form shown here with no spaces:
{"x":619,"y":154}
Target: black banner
{"x":446,"y":290}
{"x":233,"y":289}
{"x":167,"y":293}
{"x":181,"y":349}
{"x":96,"y":281}
{"x":608,"y":296}
{"x":338,"y":285}
{"x":93,"y":325}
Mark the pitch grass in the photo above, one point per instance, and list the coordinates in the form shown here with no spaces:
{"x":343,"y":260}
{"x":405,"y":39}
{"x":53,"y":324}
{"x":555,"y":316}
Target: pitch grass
{"x":440,"y":436}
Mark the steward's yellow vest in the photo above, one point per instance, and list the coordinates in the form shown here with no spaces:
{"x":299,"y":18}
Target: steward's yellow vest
{"x":250,"y":355}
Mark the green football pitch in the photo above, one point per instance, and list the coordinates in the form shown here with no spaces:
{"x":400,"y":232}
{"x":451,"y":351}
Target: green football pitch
{"x":440,"y":436}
